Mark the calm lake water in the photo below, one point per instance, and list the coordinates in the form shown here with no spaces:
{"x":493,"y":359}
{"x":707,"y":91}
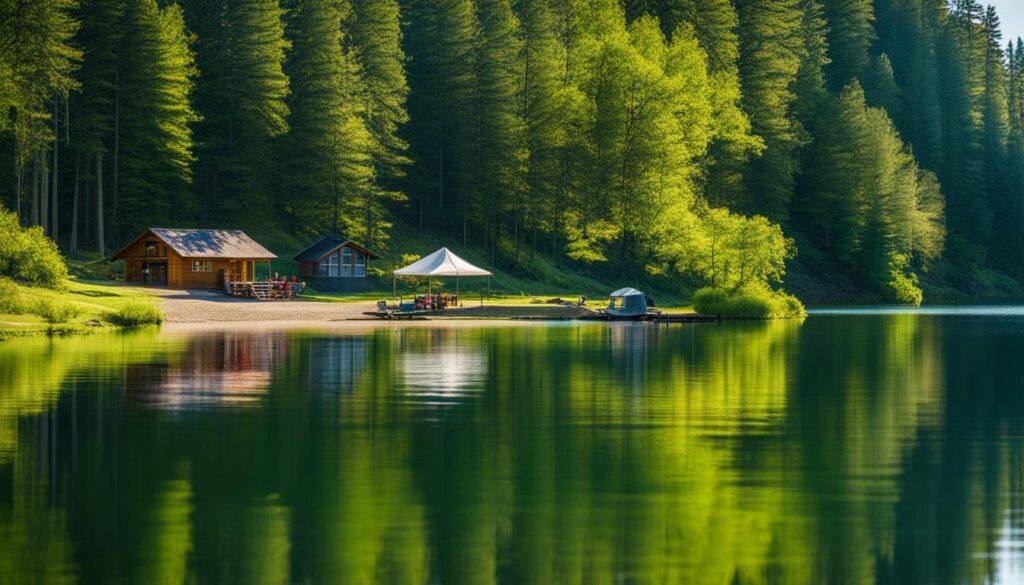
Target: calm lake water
{"x":850,"y":448}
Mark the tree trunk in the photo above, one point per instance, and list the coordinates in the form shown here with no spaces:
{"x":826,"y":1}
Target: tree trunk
{"x":44,"y":197}
{"x":117,"y":147}
{"x":17,"y":187}
{"x":440,"y":177}
{"x":100,"y":243}
{"x":74,"y":207}
{"x":515,"y":230}
{"x":55,"y":221}
{"x":86,"y":209}
{"x":35,"y":189}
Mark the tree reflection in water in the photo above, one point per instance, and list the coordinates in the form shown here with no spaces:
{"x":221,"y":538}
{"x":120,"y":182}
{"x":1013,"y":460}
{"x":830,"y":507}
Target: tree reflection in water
{"x":848,"y":449}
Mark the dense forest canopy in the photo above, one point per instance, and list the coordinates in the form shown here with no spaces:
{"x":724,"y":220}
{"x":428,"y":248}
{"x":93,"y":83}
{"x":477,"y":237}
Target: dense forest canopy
{"x":689,"y":138}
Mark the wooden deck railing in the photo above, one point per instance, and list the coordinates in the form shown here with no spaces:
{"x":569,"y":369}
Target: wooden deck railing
{"x":259,"y":289}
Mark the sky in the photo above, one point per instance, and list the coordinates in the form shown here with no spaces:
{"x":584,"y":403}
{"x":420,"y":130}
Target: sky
{"x":1011,"y":13}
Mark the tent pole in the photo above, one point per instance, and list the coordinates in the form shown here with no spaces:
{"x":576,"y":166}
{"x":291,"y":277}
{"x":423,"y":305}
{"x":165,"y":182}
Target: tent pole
{"x":488,"y":287}
{"x":394,"y":287}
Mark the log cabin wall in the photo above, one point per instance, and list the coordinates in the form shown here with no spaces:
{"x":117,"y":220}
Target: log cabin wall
{"x":150,"y":260}
{"x":214,"y":278}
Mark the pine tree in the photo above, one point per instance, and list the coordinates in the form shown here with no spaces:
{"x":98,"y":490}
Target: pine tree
{"x":92,"y":109}
{"x":908,"y":33}
{"x":542,"y":100}
{"x":866,"y":199}
{"x":1010,"y":226}
{"x":962,"y":91}
{"x":771,"y":52}
{"x":329,"y":149}
{"x":156,"y":79}
{"x":850,"y":36}
{"x":375,"y":36}
{"x":880,"y":87}
{"x":500,"y":134}
{"x":441,"y":41}
{"x":241,"y":97}
{"x":995,"y":111}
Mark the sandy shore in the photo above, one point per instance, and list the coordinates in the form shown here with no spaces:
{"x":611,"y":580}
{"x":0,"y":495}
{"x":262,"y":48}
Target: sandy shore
{"x":213,"y":307}
{"x":197,"y":307}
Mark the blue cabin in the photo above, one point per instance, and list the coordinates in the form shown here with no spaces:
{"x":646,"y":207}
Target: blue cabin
{"x":335,"y":263}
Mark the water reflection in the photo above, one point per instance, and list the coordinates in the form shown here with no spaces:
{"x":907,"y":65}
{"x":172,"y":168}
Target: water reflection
{"x":867,"y":449}
{"x":440,"y":365}
{"x":226,"y":369}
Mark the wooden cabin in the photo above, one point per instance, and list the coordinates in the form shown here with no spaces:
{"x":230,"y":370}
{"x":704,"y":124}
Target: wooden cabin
{"x":188,"y":258}
{"x":335,"y":264}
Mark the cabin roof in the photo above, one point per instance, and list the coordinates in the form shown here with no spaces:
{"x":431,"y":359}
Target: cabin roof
{"x":203,"y":243}
{"x":327,"y":244}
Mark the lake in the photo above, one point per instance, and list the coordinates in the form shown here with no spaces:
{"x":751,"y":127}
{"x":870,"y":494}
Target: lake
{"x":856,"y":447}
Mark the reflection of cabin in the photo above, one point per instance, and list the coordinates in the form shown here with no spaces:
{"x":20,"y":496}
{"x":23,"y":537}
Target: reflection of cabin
{"x":191,"y":258}
{"x":335,"y":263}
{"x":223,"y":369}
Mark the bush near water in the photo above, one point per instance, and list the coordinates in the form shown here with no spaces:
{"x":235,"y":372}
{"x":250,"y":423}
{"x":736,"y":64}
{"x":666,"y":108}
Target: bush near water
{"x":752,"y":302}
{"x":34,"y":282}
{"x":27,"y":255}
{"x":136,"y":315}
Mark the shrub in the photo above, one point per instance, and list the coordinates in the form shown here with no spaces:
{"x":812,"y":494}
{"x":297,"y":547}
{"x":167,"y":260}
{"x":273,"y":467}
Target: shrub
{"x":752,"y":302}
{"x":28,"y":255}
{"x":11,"y":301}
{"x":903,"y":286}
{"x":56,"y":311}
{"x":136,"y":315}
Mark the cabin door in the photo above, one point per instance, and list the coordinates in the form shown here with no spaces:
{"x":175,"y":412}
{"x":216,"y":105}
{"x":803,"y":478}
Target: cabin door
{"x":154,"y":272}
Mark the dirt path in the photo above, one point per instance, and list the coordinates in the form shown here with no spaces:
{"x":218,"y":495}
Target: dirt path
{"x":210,"y":307}
{"x":214,"y":307}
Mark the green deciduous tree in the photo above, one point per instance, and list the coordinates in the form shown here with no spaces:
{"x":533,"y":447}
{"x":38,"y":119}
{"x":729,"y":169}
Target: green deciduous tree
{"x":37,"y":60}
{"x":653,"y":121}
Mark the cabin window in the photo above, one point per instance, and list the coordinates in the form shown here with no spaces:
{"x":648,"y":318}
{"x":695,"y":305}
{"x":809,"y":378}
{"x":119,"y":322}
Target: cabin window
{"x":329,"y":266}
{"x":360,"y":264}
{"x":202,"y":266}
{"x":346,"y":262}
{"x":151,"y":249}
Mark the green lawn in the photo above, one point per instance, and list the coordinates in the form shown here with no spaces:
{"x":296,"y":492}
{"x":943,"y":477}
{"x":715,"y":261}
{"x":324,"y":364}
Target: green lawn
{"x":92,"y":304}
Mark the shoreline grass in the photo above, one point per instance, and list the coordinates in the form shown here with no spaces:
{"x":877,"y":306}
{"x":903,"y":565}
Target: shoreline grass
{"x":77,"y":308}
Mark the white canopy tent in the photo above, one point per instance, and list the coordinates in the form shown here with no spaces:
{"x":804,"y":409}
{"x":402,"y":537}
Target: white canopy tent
{"x":443,"y":262}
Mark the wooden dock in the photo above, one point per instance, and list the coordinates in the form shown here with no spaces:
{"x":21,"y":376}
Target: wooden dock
{"x":659,"y":318}
{"x":666,"y":318}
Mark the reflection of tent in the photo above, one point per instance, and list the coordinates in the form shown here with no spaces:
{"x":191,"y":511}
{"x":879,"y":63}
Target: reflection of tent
{"x":443,"y":262}
{"x":443,"y":372}
{"x":627,"y":302}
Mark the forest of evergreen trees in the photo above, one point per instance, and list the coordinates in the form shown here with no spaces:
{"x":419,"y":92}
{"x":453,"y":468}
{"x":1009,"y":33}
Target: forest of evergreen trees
{"x":672,"y":137}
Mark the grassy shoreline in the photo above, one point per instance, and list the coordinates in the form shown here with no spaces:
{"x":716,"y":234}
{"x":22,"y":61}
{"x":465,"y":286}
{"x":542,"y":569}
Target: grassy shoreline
{"x":91,"y":306}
